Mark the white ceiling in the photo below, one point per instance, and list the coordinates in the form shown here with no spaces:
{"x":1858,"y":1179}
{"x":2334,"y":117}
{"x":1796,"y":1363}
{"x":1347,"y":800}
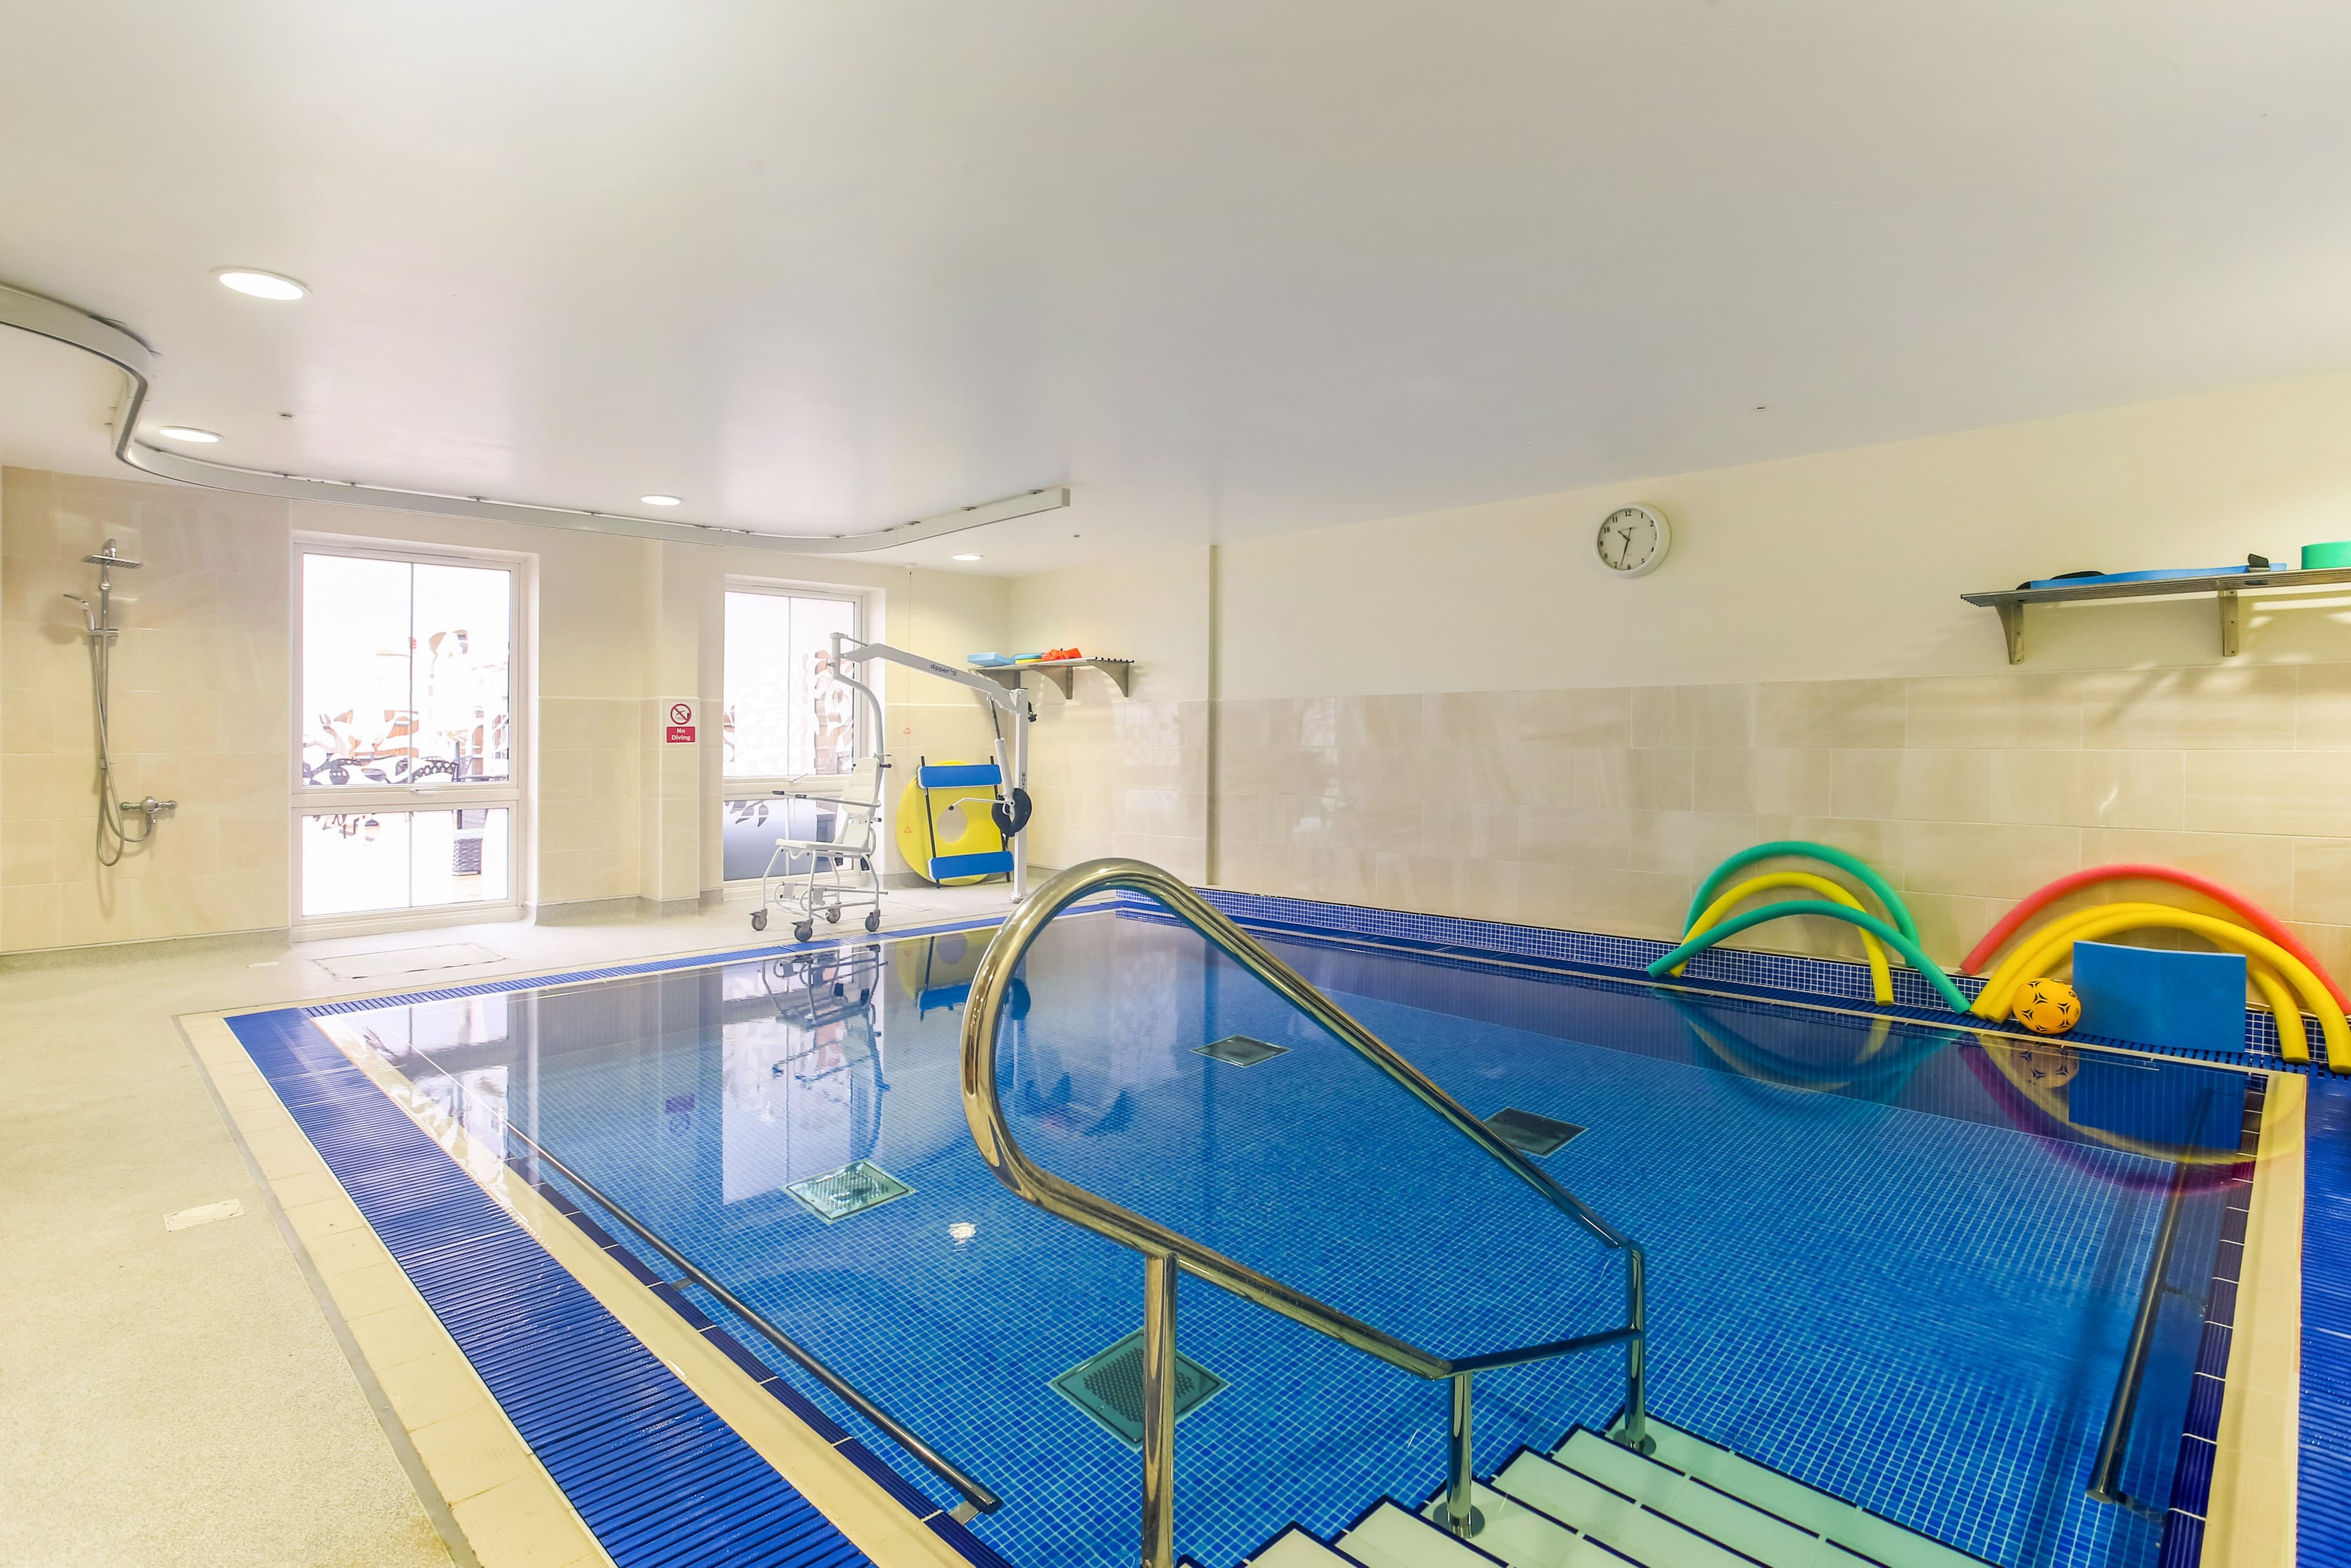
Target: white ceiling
{"x":1227,"y":267}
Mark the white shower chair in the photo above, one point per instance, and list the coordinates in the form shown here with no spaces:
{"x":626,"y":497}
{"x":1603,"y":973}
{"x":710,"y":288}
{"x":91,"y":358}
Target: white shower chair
{"x":826,"y":887}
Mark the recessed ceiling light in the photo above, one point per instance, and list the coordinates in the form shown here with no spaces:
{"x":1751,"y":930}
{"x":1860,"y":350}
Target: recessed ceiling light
{"x":187,"y":432}
{"x":966,"y":558}
{"x":260,"y":284}
{"x":661,"y":501}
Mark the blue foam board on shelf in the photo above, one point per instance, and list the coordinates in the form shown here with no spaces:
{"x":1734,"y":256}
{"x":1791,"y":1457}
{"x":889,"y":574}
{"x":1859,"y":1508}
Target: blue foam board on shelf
{"x":2162,"y":576}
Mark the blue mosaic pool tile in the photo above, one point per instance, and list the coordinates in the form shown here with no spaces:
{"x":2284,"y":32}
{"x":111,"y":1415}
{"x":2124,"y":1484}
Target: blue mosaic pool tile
{"x":951,"y":1530}
{"x":1955,"y":1518}
{"x":526,"y":1328}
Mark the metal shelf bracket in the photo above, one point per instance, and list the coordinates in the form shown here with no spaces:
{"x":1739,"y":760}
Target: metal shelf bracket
{"x":2225,"y":588}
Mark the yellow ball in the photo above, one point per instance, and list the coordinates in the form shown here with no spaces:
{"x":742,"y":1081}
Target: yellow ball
{"x":2047,"y":1007}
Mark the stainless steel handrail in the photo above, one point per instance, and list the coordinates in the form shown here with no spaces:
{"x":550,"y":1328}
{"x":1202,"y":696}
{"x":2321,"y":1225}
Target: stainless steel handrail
{"x":1166,"y":1252}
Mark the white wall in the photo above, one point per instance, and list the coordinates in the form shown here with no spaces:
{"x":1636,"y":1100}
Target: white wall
{"x":1841,"y":565}
{"x":1113,"y":775}
{"x":1462,"y":712}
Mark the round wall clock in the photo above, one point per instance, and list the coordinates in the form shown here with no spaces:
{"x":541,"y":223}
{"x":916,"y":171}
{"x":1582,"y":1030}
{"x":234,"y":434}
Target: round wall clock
{"x":1632,"y":540}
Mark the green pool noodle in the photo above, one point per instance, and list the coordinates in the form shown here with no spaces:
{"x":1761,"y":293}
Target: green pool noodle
{"x":1785,"y":848}
{"x":1909,"y":949}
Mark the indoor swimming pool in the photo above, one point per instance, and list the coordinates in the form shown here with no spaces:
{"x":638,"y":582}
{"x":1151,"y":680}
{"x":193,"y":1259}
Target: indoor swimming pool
{"x":1899,"y":1261}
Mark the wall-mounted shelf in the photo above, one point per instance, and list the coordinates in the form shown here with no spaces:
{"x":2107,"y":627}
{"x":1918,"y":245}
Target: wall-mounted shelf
{"x":1064,"y":672}
{"x":2224,"y":588}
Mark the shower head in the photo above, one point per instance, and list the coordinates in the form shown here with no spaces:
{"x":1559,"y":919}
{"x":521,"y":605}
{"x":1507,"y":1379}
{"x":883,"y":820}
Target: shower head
{"x":108,"y":557}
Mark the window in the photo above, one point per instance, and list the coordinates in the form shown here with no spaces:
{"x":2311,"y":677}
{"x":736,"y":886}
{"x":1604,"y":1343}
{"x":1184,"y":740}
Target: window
{"x":405,"y":794}
{"x":784,"y":718}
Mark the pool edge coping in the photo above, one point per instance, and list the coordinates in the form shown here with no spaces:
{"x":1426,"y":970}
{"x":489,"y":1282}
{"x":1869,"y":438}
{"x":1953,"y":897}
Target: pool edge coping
{"x":2252,"y":1513}
{"x":356,"y":1280}
{"x":872,"y":1519}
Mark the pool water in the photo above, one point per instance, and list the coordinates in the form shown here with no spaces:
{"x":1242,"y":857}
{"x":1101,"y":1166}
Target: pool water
{"x":1875,"y":1260}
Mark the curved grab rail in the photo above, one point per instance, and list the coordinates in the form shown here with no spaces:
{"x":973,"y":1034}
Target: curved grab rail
{"x":1166,"y":1252}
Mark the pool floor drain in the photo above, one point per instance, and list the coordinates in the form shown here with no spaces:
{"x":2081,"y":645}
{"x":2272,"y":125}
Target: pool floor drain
{"x":1529,"y":1134}
{"x":1240,"y":1050}
{"x":852,"y":1189}
{"x":1108,"y":1387}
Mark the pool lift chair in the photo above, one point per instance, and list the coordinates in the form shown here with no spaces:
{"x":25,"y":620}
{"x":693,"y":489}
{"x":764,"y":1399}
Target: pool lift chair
{"x":827,"y":886}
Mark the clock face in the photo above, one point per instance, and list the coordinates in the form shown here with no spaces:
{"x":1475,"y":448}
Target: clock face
{"x":1632,"y":540}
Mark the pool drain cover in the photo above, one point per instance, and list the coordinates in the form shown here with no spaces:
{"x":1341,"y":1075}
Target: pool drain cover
{"x":1109,"y":1388}
{"x":1240,"y":1050}
{"x":1529,"y":1134}
{"x":853,"y":1188}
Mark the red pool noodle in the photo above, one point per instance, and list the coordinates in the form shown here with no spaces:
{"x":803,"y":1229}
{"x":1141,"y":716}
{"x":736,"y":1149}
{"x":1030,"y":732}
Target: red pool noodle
{"x":2260,"y":919}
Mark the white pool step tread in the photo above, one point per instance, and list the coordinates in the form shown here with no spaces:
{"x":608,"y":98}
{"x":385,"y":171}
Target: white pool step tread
{"x":1594,"y":1503}
{"x":1825,"y":1514}
{"x":1391,"y":1537}
{"x":1590,"y":1506}
{"x":1525,"y":1538}
{"x":1717,"y":1515}
{"x":1296,"y":1549}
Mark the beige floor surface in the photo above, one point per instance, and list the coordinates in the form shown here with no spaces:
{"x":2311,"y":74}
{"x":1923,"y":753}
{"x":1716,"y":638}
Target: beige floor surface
{"x":180,"y":1397}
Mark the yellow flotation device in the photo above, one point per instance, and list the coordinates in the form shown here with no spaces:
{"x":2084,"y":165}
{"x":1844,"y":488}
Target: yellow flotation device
{"x":945,"y":829}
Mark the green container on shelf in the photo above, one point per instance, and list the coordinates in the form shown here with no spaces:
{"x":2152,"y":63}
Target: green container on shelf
{"x":2324,"y":557}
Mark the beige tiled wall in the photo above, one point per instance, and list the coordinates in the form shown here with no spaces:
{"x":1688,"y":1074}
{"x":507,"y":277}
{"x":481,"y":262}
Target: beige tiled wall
{"x":588,"y":789}
{"x":199,"y":711}
{"x":1110,"y":775}
{"x":1602,"y":809}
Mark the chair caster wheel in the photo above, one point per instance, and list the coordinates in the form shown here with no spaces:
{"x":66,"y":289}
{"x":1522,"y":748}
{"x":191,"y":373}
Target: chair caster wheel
{"x":873,"y":921}
{"x":759,"y":920}
{"x":803,"y":931}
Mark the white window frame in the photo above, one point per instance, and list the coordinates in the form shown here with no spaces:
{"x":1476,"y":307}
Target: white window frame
{"x":514,"y":795}
{"x":763,"y":787}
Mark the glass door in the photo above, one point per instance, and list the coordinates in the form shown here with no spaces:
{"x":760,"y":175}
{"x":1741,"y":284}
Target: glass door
{"x":784,"y":717}
{"x":407,"y":799}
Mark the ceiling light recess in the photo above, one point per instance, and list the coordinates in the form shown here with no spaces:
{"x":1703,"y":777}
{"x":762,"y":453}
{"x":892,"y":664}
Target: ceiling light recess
{"x":261,"y":285}
{"x":966,"y":558}
{"x":187,"y":432}
{"x":661,"y":501}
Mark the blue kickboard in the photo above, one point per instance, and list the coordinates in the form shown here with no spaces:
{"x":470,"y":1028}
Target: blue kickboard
{"x":2162,"y":997}
{"x":2161,"y":576}
{"x":959,"y":775}
{"x":994,"y":862}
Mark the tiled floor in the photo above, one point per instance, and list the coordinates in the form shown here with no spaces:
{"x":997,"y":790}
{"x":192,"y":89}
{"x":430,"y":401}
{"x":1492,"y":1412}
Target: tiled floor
{"x":164,"y":1386}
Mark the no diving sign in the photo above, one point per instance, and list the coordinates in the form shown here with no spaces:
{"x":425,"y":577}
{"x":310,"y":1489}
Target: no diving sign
{"x":680,"y":730}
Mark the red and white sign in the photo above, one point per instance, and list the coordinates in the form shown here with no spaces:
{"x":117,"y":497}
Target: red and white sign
{"x":680,"y":724}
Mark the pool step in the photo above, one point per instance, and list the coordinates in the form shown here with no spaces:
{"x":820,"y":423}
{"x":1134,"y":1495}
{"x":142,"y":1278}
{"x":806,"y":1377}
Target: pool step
{"x":1594,"y":1503}
{"x":1853,"y":1529}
